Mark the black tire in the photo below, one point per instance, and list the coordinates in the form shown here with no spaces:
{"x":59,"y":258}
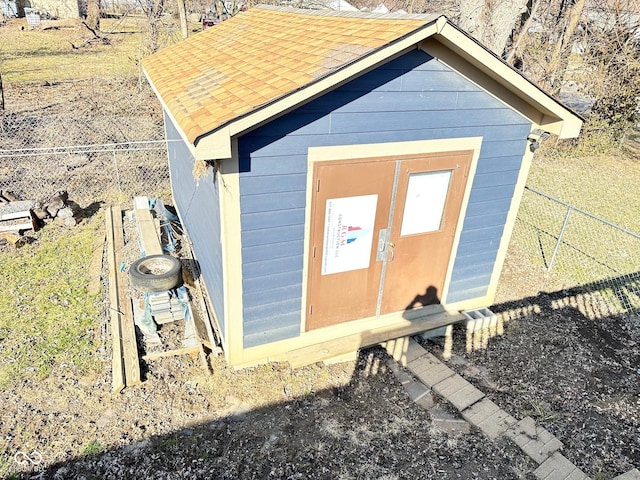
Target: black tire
{"x":155,"y":273}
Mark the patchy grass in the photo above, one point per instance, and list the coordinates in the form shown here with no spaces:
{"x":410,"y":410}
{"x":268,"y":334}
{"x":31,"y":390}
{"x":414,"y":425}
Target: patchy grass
{"x":36,"y":55}
{"x":93,"y":448}
{"x":48,"y":321}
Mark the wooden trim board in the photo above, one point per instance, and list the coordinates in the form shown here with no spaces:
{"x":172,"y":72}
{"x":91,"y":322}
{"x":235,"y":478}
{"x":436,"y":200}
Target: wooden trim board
{"x":117,"y":365}
{"x":343,"y":345}
{"x":127,"y":326}
{"x":149,"y":240}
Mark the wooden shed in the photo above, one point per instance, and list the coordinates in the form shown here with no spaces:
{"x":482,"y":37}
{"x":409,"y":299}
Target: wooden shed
{"x":345,"y":178}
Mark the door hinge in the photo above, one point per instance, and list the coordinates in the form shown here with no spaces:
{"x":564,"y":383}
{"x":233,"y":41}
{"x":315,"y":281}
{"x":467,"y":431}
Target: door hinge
{"x":318,"y":186}
{"x":310,"y":309}
{"x":314,"y":251}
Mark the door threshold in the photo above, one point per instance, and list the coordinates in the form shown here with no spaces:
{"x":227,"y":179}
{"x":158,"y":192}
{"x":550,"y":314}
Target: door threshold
{"x":410,"y":323}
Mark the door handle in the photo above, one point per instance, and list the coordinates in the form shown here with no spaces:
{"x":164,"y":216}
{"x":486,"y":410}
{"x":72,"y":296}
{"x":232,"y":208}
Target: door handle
{"x":392,"y":246}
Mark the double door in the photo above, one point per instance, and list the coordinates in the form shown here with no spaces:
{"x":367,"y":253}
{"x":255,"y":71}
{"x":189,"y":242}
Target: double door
{"x":382,"y":231}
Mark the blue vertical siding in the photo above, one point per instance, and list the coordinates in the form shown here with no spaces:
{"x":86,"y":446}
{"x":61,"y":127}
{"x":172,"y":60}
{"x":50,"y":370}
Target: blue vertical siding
{"x":198,"y":203}
{"x":413,"y":97}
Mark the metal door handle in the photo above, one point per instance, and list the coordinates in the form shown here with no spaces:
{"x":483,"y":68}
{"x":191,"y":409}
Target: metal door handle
{"x":393,"y":251}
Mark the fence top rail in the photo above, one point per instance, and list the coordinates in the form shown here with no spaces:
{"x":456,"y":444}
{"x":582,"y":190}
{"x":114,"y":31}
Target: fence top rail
{"x":91,"y":148}
{"x":576,"y":209}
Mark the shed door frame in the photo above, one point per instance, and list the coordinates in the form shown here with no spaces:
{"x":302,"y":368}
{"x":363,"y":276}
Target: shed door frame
{"x":398,"y":149}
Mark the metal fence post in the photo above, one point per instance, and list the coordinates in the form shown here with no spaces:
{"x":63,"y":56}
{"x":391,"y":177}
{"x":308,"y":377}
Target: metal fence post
{"x":560,"y":235}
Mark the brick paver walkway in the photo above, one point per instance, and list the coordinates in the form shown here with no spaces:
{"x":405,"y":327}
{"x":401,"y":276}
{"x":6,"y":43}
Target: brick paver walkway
{"x":434,"y":376}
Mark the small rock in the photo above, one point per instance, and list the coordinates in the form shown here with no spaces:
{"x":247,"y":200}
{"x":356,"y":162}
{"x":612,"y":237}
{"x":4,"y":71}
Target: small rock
{"x":106,"y":418}
{"x":65,"y":213}
{"x":70,"y":222}
{"x":40,"y":213}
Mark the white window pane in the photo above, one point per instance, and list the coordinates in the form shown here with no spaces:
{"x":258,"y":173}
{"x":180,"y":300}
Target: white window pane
{"x":424,"y":205}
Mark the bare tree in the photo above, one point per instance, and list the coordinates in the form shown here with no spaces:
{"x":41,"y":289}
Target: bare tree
{"x":560,"y":56}
{"x":182,"y":14}
{"x":153,"y":10}
{"x":521,"y":32}
{"x":491,"y":21}
{"x":93,"y":16}
{"x":611,"y":60}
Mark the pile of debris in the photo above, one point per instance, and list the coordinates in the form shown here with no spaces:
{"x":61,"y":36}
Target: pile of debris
{"x":17,"y":217}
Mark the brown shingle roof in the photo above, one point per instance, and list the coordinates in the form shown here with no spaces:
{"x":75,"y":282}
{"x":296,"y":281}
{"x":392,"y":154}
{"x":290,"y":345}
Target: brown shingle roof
{"x":260,"y":55}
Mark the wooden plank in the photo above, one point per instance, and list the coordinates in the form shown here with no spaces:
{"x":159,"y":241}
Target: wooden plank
{"x":117,"y":365}
{"x":17,"y":227}
{"x":95,"y":268}
{"x":172,"y":353}
{"x":340,"y":346}
{"x":149,"y":239}
{"x":127,"y":325}
{"x":15,"y":215}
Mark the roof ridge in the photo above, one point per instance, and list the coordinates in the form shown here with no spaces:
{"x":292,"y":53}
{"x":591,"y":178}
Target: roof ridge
{"x":427,"y":17}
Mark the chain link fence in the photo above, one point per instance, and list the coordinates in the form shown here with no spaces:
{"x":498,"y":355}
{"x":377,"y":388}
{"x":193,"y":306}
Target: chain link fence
{"x":113,"y":136}
{"x":594,"y":263}
{"x":108,"y":173}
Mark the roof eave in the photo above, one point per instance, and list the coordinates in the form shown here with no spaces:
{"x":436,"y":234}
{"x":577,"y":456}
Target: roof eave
{"x":542,"y":109}
{"x":167,"y":111}
{"x":552,"y":115}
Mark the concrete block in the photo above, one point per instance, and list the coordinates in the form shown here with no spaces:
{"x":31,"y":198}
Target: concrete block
{"x":480,"y":411}
{"x":557,"y":467}
{"x":403,"y":377}
{"x":535,"y":441}
{"x":404,"y":350}
{"x":416,"y":390}
{"x":456,"y":390}
{"x":448,"y":423}
{"x":489,"y":418}
{"x":427,"y":401}
{"x":435,"y":333}
{"x":630,"y":475}
{"x":429,"y":370}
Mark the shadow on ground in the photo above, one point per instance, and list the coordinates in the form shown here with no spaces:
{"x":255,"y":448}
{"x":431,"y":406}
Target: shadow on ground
{"x":368,"y":428}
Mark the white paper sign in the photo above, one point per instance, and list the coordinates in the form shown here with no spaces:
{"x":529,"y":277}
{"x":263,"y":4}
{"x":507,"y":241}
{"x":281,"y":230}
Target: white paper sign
{"x":348,"y":233}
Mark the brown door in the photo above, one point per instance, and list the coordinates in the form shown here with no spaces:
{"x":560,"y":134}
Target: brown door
{"x":350,"y":205}
{"x":381,"y":234}
{"x":427,"y":206}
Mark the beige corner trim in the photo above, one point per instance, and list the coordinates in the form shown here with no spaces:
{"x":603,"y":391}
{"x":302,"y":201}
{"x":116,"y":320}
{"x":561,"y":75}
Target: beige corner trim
{"x":229,"y":178}
{"x":214,"y":146}
{"x":509,"y":224}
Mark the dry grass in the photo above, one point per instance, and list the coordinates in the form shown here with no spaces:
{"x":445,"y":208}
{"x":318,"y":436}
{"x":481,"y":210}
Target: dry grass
{"x":37,"y":55}
{"x":33,"y":54}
